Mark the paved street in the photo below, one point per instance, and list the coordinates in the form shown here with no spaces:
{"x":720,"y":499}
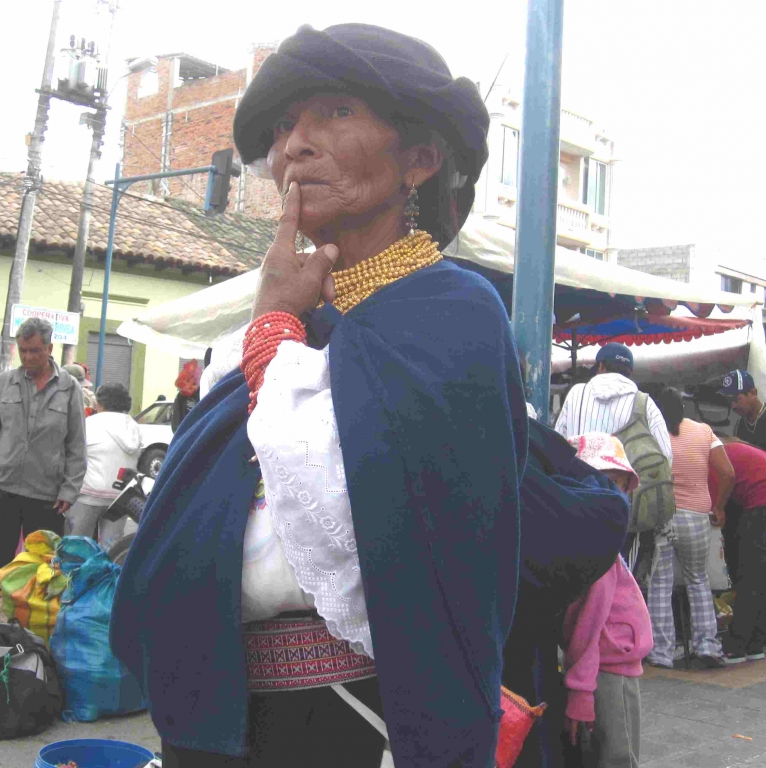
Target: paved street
{"x":138,"y":729}
{"x":694,"y":718}
{"x":690,"y":719}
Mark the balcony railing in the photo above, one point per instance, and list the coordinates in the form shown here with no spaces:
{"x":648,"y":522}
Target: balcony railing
{"x":571,"y":220}
{"x":577,"y":133}
{"x":576,"y":121}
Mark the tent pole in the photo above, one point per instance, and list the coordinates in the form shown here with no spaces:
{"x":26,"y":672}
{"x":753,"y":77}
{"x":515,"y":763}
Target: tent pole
{"x":574,"y":353}
{"x":533,"y":283}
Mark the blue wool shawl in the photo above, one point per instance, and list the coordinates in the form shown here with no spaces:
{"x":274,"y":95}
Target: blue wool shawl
{"x":432,"y":421}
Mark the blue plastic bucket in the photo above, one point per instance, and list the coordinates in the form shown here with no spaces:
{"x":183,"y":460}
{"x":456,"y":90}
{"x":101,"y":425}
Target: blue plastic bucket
{"x":93,"y":753}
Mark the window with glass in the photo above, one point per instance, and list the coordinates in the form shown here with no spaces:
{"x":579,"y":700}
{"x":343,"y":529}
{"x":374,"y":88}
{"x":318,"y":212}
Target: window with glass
{"x":510,"y":157}
{"x":598,"y":255}
{"x":158,"y":413}
{"x":731,"y":284}
{"x":594,"y":185}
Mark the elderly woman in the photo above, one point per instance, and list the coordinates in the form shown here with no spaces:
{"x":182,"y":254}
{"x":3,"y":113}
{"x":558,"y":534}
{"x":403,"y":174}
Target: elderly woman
{"x":373,"y":582}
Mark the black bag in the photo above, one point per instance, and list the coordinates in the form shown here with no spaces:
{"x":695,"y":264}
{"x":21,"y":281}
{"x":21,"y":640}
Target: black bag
{"x":30,"y":691}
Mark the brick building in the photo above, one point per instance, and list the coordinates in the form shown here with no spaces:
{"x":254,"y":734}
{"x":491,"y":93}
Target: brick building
{"x":177,"y":115}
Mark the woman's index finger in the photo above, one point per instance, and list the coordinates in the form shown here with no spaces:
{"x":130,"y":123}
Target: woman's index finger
{"x":287,"y":229}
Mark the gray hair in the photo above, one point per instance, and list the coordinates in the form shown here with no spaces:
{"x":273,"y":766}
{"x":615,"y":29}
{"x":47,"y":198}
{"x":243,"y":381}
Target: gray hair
{"x":33,"y":326}
{"x":114,"y":397}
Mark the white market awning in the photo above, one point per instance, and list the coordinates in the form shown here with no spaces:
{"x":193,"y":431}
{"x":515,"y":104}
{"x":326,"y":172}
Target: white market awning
{"x":189,"y":325}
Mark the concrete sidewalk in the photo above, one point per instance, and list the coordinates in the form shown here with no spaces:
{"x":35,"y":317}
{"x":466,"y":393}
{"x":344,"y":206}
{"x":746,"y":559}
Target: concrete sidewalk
{"x":691,"y":719}
{"x":699,"y":719}
{"x":137,"y":729}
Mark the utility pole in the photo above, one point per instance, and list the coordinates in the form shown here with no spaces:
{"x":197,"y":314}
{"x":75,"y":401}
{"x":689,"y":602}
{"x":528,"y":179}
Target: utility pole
{"x":97,"y":123}
{"x":31,"y":185}
{"x":533,"y":279}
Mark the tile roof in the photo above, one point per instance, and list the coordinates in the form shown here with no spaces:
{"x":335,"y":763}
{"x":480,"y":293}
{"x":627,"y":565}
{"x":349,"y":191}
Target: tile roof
{"x":165,"y":232}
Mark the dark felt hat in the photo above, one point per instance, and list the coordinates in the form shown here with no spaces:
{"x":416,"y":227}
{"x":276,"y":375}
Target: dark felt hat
{"x":392,"y":72}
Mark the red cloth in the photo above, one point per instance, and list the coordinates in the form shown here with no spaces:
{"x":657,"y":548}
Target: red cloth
{"x":188,"y":380}
{"x":515,"y":725}
{"x":749,"y":465}
{"x":606,"y":630}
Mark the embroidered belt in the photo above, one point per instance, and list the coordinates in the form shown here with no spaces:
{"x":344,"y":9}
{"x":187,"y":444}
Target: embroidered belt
{"x":299,"y":653}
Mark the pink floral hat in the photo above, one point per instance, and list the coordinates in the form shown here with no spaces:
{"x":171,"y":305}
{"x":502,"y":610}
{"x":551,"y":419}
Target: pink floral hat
{"x":603,"y":451}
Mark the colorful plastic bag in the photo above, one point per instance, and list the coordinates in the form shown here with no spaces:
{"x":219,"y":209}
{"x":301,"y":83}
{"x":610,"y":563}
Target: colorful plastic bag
{"x":95,"y":682}
{"x":517,"y":720}
{"x":31,"y":587}
{"x":718,"y":573}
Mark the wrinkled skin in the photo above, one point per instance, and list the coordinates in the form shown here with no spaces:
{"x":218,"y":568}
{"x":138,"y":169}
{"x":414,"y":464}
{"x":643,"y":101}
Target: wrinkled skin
{"x":344,"y":178}
{"x":34,"y":356}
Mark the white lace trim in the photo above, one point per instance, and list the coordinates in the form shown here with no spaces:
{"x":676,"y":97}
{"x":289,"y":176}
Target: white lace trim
{"x":295,"y":435}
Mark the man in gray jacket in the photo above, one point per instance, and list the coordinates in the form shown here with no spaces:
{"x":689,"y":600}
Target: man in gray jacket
{"x":42,"y":440}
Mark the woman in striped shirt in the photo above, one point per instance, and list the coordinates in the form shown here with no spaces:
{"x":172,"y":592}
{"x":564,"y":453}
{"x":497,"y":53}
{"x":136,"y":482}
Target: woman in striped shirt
{"x":696,"y":453}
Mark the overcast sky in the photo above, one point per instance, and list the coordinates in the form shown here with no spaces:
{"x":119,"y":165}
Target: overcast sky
{"x":678,"y":83}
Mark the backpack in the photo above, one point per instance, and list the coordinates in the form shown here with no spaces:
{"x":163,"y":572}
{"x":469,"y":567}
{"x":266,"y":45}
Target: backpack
{"x":30,"y":691}
{"x":653,"y":503}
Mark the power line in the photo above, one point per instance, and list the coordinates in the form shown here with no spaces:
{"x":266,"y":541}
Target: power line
{"x":162,"y":164}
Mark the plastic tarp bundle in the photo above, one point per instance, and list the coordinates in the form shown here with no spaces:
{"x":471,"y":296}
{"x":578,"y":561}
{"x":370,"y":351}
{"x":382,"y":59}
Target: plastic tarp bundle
{"x":95,"y":682}
{"x":31,"y":586}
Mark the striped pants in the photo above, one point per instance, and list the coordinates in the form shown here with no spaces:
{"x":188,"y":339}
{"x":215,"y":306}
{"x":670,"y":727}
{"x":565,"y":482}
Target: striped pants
{"x":688,"y":534}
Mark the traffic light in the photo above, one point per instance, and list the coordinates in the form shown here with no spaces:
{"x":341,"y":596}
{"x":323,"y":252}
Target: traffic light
{"x":225,"y":168}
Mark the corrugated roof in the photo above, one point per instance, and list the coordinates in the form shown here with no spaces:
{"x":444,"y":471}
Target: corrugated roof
{"x":165,"y":232}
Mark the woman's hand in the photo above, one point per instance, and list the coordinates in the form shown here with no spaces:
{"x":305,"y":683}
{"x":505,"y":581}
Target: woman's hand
{"x":294,"y":282}
{"x":718,"y":517}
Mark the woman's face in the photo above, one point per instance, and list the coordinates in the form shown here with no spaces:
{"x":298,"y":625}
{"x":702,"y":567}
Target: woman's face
{"x":347,"y":160}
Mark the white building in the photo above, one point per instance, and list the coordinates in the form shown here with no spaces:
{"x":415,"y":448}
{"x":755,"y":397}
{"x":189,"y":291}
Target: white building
{"x":585,"y":175}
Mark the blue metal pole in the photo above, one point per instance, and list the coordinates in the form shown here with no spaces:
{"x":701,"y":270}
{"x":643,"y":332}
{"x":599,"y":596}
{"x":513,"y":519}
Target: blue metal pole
{"x":533,"y":282}
{"x":209,"y":189}
{"x":116,"y":192}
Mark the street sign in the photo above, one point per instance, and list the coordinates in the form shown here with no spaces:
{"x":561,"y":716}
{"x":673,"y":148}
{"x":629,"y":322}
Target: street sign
{"x":66,"y":325}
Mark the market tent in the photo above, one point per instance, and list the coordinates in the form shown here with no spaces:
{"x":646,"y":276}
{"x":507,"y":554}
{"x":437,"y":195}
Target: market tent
{"x":690,"y":363}
{"x":586,"y":289}
{"x":584,"y":286}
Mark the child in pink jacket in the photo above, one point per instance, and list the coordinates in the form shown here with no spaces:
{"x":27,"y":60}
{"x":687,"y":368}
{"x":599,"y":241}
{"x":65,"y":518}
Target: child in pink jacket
{"x":607,"y":632}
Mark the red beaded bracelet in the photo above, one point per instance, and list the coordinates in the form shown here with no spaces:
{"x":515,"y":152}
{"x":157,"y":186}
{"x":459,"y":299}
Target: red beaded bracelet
{"x":262,"y":338}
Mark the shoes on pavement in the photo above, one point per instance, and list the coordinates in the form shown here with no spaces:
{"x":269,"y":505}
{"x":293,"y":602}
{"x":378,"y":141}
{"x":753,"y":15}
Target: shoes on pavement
{"x":756,"y":655}
{"x":734,"y":658}
{"x":709,"y":662}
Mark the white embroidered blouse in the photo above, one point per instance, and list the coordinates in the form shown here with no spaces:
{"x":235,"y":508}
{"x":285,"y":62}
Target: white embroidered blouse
{"x":300,"y":549}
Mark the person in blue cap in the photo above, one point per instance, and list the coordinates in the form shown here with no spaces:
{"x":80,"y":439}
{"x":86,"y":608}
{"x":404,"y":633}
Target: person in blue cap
{"x":605,"y":403}
{"x":739,"y":388}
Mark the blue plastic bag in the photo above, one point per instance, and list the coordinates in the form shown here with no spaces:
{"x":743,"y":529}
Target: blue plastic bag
{"x":95,"y":682}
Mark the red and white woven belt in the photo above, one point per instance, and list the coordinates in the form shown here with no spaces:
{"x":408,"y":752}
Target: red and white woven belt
{"x":298,"y":653}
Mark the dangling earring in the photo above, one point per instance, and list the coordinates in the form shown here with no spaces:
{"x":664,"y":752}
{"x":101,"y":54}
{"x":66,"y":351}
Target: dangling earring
{"x":411,"y":210}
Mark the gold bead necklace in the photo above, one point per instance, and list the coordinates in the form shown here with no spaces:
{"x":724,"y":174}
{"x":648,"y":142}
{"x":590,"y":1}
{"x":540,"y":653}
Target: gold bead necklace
{"x":404,"y":257}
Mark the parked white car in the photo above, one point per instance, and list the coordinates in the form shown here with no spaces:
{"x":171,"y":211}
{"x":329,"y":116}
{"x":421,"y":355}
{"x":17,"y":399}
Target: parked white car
{"x":156,"y":434}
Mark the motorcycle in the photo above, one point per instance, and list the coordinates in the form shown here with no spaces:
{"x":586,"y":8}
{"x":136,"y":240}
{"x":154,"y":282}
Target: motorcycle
{"x":134,"y":488}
